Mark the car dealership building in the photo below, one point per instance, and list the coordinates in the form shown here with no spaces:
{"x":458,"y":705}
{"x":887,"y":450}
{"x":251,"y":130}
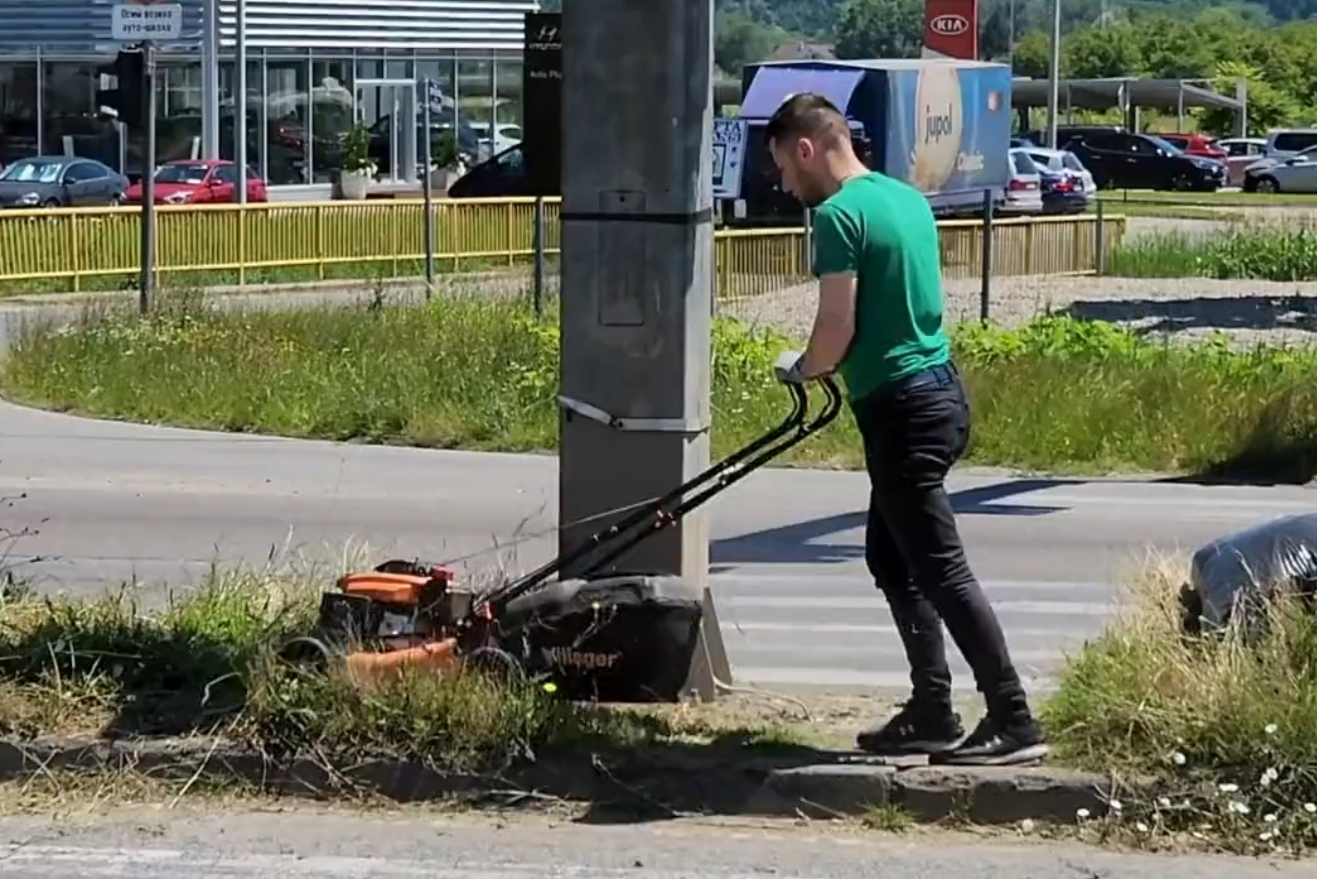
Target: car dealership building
{"x":313,"y":66}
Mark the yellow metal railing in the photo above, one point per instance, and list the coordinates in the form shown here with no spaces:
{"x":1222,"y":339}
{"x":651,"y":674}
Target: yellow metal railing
{"x":64,"y":250}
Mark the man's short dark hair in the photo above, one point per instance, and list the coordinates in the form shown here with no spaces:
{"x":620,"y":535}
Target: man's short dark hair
{"x":806,"y":115}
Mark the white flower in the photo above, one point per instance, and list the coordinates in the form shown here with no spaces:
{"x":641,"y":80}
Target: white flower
{"x":1270,"y":818}
{"x":1271,"y":729}
{"x":1240,"y":807}
{"x":1141,"y":827}
{"x":1177,"y":758}
{"x":1082,"y":814}
{"x":1227,"y":788}
{"x":1266,"y":835}
{"x":1310,"y":808}
{"x":1115,"y":805}
{"x":1164,"y":802}
{"x":1026,"y":826}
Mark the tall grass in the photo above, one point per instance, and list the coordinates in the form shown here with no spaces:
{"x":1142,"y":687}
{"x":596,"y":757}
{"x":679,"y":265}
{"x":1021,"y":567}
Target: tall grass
{"x":1224,"y":721}
{"x":1268,"y":252}
{"x":1059,"y":394}
{"x":208,"y":663}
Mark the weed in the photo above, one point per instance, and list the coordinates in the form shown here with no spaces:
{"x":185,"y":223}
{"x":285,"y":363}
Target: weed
{"x":1222,"y":723}
{"x":1269,"y":252}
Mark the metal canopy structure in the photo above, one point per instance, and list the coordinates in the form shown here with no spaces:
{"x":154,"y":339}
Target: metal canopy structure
{"x":1129,"y":95}
{"x":1121,"y":92}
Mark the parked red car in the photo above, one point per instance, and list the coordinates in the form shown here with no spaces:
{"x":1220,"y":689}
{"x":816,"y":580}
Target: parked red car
{"x":1195,"y":145}
{"x":200,"y":181}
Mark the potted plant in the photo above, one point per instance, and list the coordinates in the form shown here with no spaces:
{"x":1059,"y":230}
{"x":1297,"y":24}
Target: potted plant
{"x":356,"y":171}
{"x":444,"y":157}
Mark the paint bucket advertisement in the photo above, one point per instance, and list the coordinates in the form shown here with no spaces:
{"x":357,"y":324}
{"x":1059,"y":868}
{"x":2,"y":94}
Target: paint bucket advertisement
{"x":951,"y":126}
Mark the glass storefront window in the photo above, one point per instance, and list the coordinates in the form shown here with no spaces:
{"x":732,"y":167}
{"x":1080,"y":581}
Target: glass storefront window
{"x":332,"y":102}
{"x":507,"y":104}
{"x":72,"y":122}
{"x":18,"y":110}
{"x":228,"y":146}
{"x":475,"y":104}
{"x":287,"y":109}
{"x":178,"y":111}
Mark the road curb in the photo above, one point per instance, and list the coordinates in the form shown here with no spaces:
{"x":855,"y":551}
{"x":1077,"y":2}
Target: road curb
{"x":790,"y":784}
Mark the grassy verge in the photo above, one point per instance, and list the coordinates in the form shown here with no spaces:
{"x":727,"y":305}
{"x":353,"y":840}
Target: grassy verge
{"x":204,"y":664}
{"x":1224,"y":721}
{"x":1268,"y":252}
{"x":1165,"y":210}
{"x":1059,"y":395}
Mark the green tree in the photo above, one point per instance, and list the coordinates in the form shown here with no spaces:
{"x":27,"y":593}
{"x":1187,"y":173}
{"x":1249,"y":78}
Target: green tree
{"x":739,"y":40}
{"x":1094,"y":52}
{"x":1033,"y":55}
{"x":1268,"y":106}
{"x":880,"y":29}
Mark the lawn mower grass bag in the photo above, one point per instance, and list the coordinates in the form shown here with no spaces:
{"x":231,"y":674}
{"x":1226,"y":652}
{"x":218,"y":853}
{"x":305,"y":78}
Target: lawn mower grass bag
{"x":1233,"y":578}
{"x":618,"y":638}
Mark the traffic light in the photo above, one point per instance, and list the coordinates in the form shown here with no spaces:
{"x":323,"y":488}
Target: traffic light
{"x":127,"y":98}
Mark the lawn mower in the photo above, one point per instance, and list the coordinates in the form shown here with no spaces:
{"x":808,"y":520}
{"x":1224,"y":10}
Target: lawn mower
{"x":605,"y":636}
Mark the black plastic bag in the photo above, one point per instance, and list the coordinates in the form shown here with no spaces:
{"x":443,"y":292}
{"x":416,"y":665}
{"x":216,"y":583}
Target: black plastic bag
{"x":1234,"y":578}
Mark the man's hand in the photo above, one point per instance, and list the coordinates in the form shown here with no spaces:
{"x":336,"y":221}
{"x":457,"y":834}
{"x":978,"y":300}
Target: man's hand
{"x":787,"y":368}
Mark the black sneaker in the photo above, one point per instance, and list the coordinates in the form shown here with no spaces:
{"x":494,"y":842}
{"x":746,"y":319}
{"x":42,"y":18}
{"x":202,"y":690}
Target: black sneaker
{"x":915,"y":729}
{"x":991,"y":745}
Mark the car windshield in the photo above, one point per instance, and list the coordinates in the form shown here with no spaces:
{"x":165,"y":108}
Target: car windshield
{"x":28,"y":171}
{"x":1165,"y":144}
{"x":192,"y":174}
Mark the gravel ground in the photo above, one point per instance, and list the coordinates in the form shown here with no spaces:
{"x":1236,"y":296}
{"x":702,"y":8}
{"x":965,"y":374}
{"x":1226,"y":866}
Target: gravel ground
{"x":1248,"y":311}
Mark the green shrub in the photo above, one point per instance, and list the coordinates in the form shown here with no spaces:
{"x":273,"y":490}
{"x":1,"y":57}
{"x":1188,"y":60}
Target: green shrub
{"x":1056,"y":394}
{"x":1260,"y":252}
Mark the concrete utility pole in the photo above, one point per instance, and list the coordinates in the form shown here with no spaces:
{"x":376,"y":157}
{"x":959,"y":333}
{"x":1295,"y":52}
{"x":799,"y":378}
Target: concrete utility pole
{"x":637,"y":270}
{"x":1054,"y":84}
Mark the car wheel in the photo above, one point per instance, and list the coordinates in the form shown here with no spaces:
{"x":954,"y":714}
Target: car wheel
{"x":50,"y":203}
{"x":1267,"y":185}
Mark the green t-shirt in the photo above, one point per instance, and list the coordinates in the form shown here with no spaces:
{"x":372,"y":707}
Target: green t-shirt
{"x":883,"y":230}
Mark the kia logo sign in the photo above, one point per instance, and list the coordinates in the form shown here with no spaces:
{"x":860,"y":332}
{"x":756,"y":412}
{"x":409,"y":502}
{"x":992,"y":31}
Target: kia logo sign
{"x":950,"y":25}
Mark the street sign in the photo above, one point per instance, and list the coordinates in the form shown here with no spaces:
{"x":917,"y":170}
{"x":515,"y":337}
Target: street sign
{"x":132,"y":22}
{"x":434,"y":96}
{"x":541,"y":102}
{"x":729,"y":136}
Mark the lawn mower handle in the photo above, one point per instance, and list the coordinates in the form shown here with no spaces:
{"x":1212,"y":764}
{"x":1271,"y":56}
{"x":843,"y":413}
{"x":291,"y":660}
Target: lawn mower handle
{"x":791,"y":431}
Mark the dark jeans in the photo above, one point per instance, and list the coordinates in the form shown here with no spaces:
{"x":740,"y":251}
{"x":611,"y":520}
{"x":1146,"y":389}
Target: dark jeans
{"x":913,"y":432}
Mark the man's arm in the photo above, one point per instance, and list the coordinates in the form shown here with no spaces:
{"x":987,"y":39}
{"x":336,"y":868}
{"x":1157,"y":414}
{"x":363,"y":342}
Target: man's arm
{"x":836,"y":263}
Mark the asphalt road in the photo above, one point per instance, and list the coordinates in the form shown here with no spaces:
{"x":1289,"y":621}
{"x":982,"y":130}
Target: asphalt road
{"x":151,"y":844}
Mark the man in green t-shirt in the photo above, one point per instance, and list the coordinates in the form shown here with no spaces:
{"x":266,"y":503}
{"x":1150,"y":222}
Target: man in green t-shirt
{"x":879,"y":326}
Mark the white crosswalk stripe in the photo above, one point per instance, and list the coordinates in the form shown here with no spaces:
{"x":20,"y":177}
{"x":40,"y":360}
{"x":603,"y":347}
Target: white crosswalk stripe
{"x":835,"y":630}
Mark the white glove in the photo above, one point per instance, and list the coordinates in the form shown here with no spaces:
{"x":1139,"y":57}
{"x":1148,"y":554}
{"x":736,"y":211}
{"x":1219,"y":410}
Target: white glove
{"x":787,"y":367}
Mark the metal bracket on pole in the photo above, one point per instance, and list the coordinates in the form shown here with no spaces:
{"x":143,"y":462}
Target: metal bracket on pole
{"x":710,"y":668}
{"x":633,"y":425}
